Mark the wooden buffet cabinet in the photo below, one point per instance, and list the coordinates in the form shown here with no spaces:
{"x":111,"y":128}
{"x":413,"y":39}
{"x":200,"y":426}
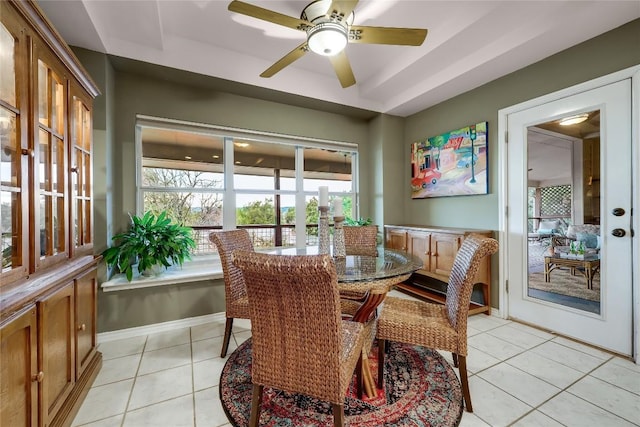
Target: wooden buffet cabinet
{"x":48,"y":283}
{"x":437,"y":247}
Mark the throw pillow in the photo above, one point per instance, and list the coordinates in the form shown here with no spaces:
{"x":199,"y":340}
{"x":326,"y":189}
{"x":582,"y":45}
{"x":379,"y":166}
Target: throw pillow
{"x":548,"y":225}
{"x":590,"y":240}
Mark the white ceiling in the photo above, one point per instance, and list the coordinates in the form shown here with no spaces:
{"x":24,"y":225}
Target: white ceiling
{"x":469,"y":43}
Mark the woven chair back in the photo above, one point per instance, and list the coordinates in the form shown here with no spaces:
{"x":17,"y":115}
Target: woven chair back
{"x":465,"y":266}
{"x":295,"y":323}
{"x":361,"y":240}
{"x":227,"y":242}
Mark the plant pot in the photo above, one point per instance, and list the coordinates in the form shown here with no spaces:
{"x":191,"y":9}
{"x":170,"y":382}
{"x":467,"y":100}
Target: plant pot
{"x":153,"y":271}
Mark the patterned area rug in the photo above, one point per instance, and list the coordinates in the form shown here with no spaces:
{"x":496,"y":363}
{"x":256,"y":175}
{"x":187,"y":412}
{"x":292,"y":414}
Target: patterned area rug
{"x":562,"y":282}
{"x":421,"y":389}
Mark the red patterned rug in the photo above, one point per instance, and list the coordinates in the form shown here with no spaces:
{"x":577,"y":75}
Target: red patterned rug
{"x":421,"y":389}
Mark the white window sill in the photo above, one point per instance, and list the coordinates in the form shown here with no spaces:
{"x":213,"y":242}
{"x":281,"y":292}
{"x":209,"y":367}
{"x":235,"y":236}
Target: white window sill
{"x":193,"y":271}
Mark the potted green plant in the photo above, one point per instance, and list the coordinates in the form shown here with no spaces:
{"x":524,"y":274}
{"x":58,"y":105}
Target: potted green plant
{"x":151,"y":242}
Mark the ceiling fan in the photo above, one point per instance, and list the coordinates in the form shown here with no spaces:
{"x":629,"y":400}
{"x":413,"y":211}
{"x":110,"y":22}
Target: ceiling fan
{"x":328,"y":25}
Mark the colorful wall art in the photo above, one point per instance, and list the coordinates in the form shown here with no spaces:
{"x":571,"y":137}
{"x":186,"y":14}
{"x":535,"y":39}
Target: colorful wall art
{"x":451,"y":164}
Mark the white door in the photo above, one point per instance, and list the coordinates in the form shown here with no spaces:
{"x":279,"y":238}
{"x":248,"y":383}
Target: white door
{"x":609,"y":325}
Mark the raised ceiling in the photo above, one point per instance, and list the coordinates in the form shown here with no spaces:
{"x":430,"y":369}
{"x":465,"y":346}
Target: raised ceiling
{"x":469,"y":43}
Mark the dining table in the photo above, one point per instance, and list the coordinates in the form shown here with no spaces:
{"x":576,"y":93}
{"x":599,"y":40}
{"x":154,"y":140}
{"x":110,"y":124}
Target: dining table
{"x":365,"y":278}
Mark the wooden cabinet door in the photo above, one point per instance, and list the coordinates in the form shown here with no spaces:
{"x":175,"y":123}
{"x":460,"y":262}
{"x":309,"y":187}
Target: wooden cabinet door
{"x":81,"y":176}
{"x":56,"y":329}
{"x":50,"y":196}
{"x":86,"y":293}
{"x":396,"y":239}
{"x":18,"y":371}
{"x":418,"y":244}
{"x":444,"y":248}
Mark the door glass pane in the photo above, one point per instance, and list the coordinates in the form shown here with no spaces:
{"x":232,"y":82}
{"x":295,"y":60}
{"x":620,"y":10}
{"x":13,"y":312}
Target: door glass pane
{"x":57,"y":107}
{"x":45,"y":236}
{"x":564,"y":213}
{"x":7,"y":67}
{"x":86,"y":221}
{"x":58,"y":224}
{"x":9,"y":158}
{"x":57,"y":165}
{"x":86,"y":128}
{"x":9,"y":224}
{"x":77,"y":223}
{"x":86,"y":175}
{"x":76,"y":177}
{"x":44,"y":171}
{"x":43,"y":93}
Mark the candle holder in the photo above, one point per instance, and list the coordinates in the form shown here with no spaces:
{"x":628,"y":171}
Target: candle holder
{"x":323,"y":230}
{"x":339,"y":249}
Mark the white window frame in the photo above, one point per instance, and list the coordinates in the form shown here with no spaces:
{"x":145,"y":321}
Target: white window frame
{"x":229,"y":192}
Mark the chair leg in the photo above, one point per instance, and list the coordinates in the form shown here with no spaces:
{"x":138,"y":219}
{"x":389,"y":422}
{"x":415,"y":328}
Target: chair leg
{"x":381,"y":350}
{"x":338,"y":415}
{"x":256,"y":401}
{"x":455,"y":359}
{"x":227,"y":336}
{"x":359,"y":378}
{"x":465,"y":382}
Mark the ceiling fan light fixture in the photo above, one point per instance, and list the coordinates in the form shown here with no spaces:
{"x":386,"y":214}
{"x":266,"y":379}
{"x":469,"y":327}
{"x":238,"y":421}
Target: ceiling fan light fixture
{"x":327,"y":38}
{"x":568,"y":121}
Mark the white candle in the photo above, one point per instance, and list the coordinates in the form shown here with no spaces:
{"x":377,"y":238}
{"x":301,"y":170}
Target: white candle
{"x":337,"y":207}
{"x":324,"y":196}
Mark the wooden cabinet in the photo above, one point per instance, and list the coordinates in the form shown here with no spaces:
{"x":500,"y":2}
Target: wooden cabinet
{"x":47,"y":280}
{"x":86,"y":293}
{"x":19,"y":370}
{"x":56,"y":344}
{"x":46,"y":143}
{"x":49,"y":356}
{"x":438,"y":247}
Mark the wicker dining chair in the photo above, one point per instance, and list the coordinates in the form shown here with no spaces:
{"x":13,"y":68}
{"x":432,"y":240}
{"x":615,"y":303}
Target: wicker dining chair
{"x":361,"y":240}
{"x":300,"y":343}
{"x":442,"y":327}
{"x":235,"y":292}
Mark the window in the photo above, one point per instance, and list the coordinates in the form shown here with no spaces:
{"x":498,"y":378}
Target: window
{"x":208,"y":178}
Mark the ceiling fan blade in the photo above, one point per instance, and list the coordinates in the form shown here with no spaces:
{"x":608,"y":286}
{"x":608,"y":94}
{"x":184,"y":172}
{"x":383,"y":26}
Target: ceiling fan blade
{"x":344,"y":7}
{"x":343,"y":69}
{"x":268,"y":15}
{"x":387,"y":35}
{"x":288,"y":59}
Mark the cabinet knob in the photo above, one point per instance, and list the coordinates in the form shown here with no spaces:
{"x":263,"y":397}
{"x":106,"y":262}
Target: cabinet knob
{"x":38,"y":377}
{"x":74,"y":169}
{"x":28,"y":152}
{"x":82,"y":327}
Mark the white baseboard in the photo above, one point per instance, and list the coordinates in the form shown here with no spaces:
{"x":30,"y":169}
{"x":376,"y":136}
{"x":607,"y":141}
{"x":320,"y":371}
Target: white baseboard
{"x":160,"y":327}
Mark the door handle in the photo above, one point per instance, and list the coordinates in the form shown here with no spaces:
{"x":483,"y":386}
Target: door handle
{"x":618,"y":232}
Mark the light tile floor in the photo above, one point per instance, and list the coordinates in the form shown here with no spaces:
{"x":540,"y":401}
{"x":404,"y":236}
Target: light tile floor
{"x":519,"y":376}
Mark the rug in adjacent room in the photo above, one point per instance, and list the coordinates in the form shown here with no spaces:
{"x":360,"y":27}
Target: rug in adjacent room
{"x":562,"y":282}
{"x":421,"y":388}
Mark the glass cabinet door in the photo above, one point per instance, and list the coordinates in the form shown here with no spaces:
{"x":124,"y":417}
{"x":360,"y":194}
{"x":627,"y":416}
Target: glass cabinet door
{"x":50,"y":153}
{"x":13,"y":152}
{"x":81,"y":179}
